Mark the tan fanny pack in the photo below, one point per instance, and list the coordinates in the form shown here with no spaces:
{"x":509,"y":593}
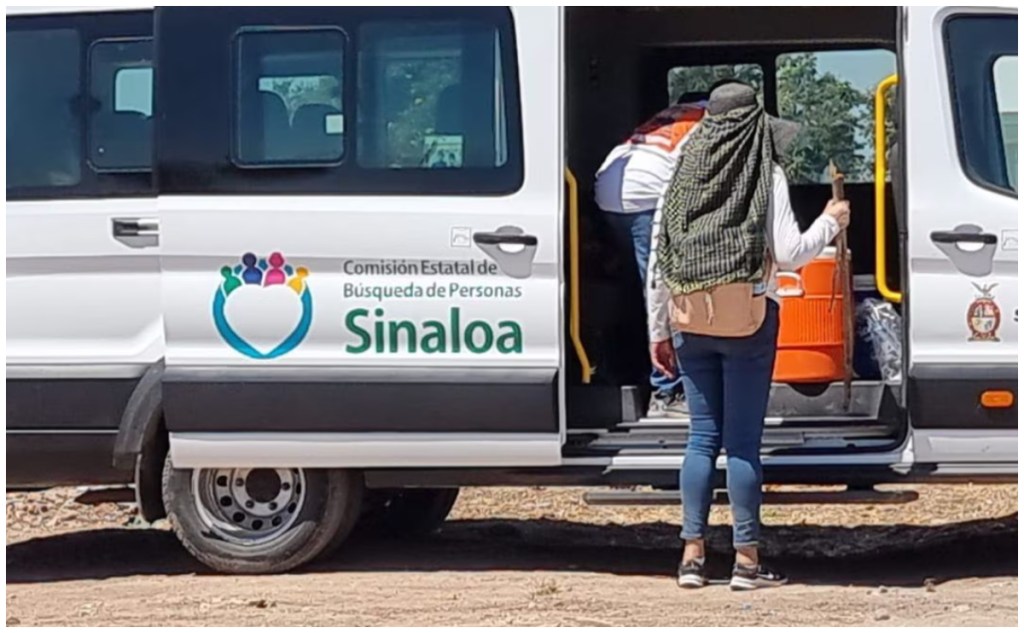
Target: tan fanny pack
{"x":730,"y":310}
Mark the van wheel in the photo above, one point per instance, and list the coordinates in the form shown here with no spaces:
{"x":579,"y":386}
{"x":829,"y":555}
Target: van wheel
{"x":414,"y":512}
{"x":260,"y":520}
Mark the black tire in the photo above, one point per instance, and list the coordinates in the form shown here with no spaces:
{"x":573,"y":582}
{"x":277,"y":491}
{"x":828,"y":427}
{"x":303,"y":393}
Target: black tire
{"x":328,"y":512}
{"x":406,"y":512}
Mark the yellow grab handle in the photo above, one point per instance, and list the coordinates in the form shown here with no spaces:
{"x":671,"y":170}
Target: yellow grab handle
{"x":574,"y":276}
{"x":881,"y":281}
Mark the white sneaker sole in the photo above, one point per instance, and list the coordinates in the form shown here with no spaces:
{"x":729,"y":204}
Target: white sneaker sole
{"x":739,"y":583}
{"x":691,"y":581}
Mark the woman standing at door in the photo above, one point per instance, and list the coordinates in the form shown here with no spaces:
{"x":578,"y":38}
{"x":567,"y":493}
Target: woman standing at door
{"x":725,"y":226}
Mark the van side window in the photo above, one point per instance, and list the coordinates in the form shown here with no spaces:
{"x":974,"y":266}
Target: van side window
{"x":121,"y":123}
{"x":79,"y":104}
{"x":289,"y":97}
{"x":831,"y":94}
{"x":1005,"y":78}
{"x":339,"y":100}
{"x":431,"y":95}
{"x":685,"y":79}
{"x":43,"y":128}
{"x":981,"y":52}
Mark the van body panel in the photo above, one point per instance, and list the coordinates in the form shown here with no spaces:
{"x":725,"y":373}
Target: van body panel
{"x":365,"y":450}
{"x":83,"y":312}
{"x":961,"y":307}
{"x":461,"y":289}
{"x":395,"y":400}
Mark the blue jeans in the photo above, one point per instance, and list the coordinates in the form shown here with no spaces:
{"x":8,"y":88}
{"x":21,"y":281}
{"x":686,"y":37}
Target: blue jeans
{"x":727,"y":382}
{"x":633,"y":231}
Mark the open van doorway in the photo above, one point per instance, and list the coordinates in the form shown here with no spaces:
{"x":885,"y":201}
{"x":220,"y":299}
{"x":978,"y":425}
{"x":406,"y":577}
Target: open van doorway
{"x":820,"y":67}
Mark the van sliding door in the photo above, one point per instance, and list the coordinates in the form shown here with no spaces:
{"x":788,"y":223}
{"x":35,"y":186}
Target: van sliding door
{"x":360,"y":261}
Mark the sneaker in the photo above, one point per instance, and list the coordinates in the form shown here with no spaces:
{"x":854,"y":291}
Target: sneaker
{"x":691,"y":575}
{"x":745,"y":578}
{"x":670,"y":406}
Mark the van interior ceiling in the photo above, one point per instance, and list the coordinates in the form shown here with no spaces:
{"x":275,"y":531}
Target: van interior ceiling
{"x":624,"y":64}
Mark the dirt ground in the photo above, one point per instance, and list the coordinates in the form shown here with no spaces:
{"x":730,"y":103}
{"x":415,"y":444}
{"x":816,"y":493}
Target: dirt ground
{"x":531,"y":556}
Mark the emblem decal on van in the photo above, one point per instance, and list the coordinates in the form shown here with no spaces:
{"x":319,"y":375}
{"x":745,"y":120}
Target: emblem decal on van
{"x":983,"y":315}
{"x":262,"y":307}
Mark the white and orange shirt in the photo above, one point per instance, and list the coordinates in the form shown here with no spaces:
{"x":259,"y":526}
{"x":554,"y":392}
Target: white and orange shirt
{"x":637,"y":172}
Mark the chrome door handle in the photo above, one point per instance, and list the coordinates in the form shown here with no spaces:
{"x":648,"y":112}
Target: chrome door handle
{"x":136,"y":232}
{"x":126,"y":227}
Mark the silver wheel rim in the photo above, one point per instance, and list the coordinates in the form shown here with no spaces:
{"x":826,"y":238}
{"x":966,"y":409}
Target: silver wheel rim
{"x":249,"y":506}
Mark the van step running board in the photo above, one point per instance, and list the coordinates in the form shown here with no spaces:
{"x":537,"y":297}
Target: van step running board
{"x":846,"y":426}
{"x":791,"y":404}
{"x":671,"y":497}
{"x":591,"y":443}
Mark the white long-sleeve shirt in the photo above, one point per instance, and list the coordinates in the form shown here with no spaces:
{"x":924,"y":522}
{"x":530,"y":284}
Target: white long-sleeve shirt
{"x":790,"y":250}
{"x":636,"y":173}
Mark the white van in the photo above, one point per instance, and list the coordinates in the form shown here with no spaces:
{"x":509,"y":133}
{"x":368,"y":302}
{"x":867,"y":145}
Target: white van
{"x":330,"y":264}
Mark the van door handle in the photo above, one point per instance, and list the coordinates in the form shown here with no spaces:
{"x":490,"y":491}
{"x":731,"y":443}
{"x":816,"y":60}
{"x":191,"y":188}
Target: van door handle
{"x":954,"y":237}
{"x":136,"y":232}
{"x":489,"y":239}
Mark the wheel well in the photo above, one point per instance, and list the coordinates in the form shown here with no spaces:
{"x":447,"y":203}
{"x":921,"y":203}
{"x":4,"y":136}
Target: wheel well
{"x":149,"y":466}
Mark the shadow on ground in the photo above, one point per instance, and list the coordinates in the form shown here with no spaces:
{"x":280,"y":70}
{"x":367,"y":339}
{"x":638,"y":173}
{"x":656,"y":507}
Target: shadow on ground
{"x":897,"y":555}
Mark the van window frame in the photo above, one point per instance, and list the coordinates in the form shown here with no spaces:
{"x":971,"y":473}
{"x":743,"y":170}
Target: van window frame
{"x":966,"y":166}
{"x":765,"y":55}
{"x":192,"y":159}
{"x":89,"y":122}
{"x":91,"y":27}
{"x":236,"y":96}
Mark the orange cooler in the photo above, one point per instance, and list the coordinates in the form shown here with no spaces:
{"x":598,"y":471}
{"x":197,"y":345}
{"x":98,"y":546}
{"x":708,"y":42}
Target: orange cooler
{"x":810,"y":347}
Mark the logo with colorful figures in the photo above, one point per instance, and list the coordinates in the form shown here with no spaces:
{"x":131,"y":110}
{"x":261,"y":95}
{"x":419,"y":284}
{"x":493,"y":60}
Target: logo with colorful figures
{"x":262,"y":306}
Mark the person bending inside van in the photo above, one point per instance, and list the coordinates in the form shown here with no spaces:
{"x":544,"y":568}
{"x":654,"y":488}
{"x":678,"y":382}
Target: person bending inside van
{"x":724,"y":228}
{"x":629,"y":183}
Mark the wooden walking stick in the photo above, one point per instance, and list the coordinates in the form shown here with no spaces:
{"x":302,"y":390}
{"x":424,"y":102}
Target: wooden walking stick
{"x":843,"y":282}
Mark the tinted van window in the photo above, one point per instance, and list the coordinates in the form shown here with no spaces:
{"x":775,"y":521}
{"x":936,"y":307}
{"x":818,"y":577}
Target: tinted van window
{"x":43,"y":130}
{"x":431,"y":95}
{"x":1006,"y":81}
{"x":981,"y":51}
{"x":79,"y":105}
{"x":338,"y":100}
{"x":121,"y":121}
{"x":289,"y":94}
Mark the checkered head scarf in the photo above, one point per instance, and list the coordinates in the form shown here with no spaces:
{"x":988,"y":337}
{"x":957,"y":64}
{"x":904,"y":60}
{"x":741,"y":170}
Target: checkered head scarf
{"x":716,"y":206}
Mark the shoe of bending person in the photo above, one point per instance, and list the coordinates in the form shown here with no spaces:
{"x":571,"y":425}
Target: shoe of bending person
{"x":667,"y":406}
